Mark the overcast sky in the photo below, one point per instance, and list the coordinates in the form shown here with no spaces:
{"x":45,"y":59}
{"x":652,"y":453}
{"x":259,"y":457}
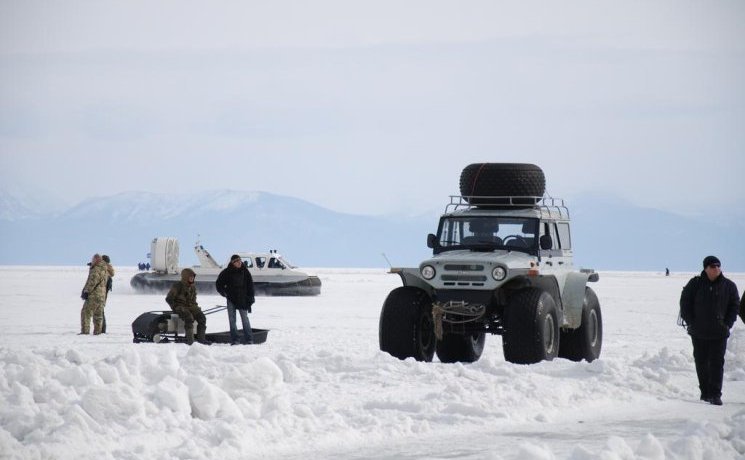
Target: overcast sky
{"x":374,"y":106}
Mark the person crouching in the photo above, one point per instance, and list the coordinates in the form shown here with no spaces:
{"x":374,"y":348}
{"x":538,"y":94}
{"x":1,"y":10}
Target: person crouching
{"x":182,"y":298}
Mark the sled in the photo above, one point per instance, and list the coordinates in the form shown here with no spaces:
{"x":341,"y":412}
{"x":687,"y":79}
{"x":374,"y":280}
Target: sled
{"x":167,"y":327}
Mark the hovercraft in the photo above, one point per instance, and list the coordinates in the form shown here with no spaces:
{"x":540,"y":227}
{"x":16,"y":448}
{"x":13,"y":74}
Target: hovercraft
{"x":272,"y":274}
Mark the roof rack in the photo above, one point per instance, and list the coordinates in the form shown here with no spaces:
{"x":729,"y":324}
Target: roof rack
{"x":549,"y":206}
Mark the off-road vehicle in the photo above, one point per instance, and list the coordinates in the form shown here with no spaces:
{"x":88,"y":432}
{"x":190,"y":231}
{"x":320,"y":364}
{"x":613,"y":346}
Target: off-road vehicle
{"x":501,"y":264}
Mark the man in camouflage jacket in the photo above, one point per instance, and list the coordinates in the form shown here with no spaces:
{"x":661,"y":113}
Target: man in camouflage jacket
{"x":182,"y":298}
{"x":94,"y":294}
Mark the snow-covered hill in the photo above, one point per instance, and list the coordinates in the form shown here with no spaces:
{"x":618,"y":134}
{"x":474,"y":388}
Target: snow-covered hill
{"x":606,"y":233}
{"x":225,"y":221}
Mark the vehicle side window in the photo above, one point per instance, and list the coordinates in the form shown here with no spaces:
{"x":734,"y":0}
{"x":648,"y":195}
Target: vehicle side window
{"x":549,"y":228}
{"x":260,"y":261}
{"x":275,"y":263}
{"x":565,"y":240}
{"x":248,"y":263}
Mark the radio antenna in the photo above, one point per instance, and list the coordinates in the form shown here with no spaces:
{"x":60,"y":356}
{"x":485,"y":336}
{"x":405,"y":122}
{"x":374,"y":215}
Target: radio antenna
{"x":386,"y":259}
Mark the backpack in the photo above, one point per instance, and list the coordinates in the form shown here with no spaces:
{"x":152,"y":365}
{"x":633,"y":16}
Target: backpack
{"x":694,"y":283}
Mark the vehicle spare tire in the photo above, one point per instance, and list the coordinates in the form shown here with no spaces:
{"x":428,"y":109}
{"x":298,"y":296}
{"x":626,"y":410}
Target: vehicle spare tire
{"x":502,"y":180}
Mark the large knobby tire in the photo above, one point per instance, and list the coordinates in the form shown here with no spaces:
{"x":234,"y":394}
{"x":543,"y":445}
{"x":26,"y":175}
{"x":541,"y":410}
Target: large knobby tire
{"x":531,"y":327}
{"x":586,"y":341}
{"x":406,"y":326}
{"x":466,"y":348}
{"x":502,"y":180}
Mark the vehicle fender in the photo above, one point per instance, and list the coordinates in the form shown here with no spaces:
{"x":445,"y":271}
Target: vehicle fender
{"x":573,"y":298}
{"x":411,"y":277}
{"x":550,"y":284}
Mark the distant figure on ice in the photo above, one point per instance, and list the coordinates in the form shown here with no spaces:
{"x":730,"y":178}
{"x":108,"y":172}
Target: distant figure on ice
{"x":708,"y":306}
{"x":667,"y":272}
{"x":236,"y":285}
{"x":182,"y":298}
{"x":109,"y":285}
{"x":94,"y":295}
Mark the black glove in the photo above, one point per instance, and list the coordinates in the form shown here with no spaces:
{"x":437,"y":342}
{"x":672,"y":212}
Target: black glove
{"x":84,"y":295}
{"x":251,"y":301}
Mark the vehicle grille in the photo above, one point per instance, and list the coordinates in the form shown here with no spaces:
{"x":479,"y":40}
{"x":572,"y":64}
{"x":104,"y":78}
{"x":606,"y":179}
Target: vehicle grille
{"x":463,"y":268}
{"x":460,"y":278}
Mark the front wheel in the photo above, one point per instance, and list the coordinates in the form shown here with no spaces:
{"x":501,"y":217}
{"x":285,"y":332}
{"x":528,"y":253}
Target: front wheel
{"x":455,"y":348}
{"x":586,"y":341}
{"x":406,"y":326}
{"x":531,"y":327}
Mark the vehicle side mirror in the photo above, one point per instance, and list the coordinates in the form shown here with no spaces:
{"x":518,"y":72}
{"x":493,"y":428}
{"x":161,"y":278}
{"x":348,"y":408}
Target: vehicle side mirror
{"x":546,"y":242}
{"x":431,"y":241}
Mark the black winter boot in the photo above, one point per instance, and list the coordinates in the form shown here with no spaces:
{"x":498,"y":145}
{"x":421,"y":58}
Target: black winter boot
{"x":201,"y":330}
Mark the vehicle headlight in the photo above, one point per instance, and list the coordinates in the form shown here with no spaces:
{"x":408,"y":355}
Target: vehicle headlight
{"x":499,"y":273}
{"x":428,"y":272}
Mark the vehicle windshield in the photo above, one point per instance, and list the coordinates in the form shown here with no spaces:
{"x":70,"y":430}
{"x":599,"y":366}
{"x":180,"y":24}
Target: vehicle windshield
{"x":286,"y":263}
{"x":487,"y":233}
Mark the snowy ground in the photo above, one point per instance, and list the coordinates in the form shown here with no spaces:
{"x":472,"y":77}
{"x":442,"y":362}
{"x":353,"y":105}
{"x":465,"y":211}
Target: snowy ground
{"x":320,"y":388}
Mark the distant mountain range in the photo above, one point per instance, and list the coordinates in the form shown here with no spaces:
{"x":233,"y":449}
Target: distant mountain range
{"x":607,"y":234}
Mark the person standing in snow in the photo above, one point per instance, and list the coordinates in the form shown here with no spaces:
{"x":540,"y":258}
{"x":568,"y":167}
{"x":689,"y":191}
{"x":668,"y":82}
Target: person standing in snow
{"x":182,"y":298}
{"x":94,"y":295}
{"x":236,"y":285}
{"x":708,"y":305}
{"x":109,"y":285}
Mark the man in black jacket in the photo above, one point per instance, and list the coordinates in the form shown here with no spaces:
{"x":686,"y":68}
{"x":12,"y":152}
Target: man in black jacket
{"x":708,"y":305}
{"x":236,"y":284}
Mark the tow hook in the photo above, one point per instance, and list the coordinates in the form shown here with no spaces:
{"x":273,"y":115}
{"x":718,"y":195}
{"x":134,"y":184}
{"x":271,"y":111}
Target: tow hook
{"x":454,"y":312}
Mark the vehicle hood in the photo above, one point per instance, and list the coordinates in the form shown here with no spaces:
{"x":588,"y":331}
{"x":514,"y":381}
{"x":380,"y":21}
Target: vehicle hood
{"x":511,"y":259}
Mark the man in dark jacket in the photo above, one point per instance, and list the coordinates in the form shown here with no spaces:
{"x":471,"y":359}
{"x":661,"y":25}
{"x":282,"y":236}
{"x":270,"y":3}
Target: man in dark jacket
{"x":236,"y":284}
{"x":708,"y":305}
{"x":182,"y":299}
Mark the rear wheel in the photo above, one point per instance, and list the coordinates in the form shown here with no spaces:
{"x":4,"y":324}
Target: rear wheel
{"x":406,"y":327}
{"x":461,"y":348}
{"x":586,"y":341}
{"x":531,"y":327}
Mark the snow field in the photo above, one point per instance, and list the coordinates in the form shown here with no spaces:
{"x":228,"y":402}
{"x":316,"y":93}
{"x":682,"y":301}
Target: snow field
{"x":320,"y":385}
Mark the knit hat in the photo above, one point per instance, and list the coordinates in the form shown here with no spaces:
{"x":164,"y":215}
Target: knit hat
{"x":708,"y":260}
{"x":233,"y":257}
